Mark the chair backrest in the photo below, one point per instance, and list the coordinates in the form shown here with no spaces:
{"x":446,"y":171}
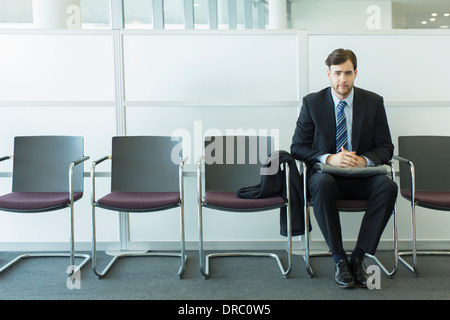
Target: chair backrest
{"x":233,"y":162}
{"x":41,"y":163}
{"x":430,"y":155}
{"x":145,"y":164}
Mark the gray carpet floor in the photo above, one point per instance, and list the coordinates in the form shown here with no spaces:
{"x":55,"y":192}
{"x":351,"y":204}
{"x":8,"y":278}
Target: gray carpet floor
{"x":237,"y":278}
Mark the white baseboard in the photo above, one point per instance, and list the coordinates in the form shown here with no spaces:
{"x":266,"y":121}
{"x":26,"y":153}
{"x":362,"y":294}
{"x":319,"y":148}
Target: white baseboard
{"x":214,"y":245}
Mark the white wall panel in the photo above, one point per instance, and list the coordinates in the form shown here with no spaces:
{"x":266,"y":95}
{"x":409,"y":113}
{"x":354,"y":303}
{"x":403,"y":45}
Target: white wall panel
{"x":195,"y":122}
{"x":56,"y":67}
{"x":95,"y":124}
{"x":399,"y":66}
{"x":210,"y":67}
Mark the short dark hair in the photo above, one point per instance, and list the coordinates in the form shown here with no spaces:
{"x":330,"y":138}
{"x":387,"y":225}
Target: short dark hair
{"x":339,"y":56}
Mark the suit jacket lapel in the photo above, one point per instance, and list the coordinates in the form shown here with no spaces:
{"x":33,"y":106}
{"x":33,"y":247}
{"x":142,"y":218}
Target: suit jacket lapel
{"x":330,"y":120}
{"x":359,"y":109}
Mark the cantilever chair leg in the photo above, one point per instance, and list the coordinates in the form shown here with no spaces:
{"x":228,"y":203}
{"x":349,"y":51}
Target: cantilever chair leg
{"x":389,"y":273}
{"x":204,"y":260}
{"x":85,"y":258}
{"x":415,"y":253}
{"x":149,"y":253}
{"x":71,"y":255}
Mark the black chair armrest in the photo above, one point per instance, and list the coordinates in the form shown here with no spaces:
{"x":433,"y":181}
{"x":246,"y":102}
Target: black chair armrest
{"x":94,"y":163}
{"x":5,"y":158}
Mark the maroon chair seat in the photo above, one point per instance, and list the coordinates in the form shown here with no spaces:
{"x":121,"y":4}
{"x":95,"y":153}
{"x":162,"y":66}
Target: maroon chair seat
{"x":139,"y":201}
{"x":348,"y":205}
{"x":232,"y":201}
{"x":36,"y":201}
{"x":434,"y":199}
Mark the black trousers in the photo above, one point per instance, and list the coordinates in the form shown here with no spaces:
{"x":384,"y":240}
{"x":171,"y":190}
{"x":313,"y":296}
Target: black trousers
{"x":379,"y":190}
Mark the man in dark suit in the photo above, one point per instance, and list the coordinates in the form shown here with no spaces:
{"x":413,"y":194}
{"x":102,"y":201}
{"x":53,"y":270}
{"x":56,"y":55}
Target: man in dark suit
{"x":366,"y":141}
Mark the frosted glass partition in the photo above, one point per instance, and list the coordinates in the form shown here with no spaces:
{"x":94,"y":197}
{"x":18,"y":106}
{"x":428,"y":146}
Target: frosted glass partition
{"x":56,"y":67}
{"x":95,"y":124}
{"x":399,"y":66}
{"x":210,"y":67}
{"x":195,"y":123}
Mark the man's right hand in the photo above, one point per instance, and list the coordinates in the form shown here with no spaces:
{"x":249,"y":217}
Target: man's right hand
{"x":346,"y":159}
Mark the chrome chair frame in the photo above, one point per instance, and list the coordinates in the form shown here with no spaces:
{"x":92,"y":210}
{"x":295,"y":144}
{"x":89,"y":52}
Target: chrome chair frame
{"x":72,"y":253}
{"x":204,"y":266}
{"x":308,"y":254}
{"x":414,"y":253}
{"x":182,"y":254}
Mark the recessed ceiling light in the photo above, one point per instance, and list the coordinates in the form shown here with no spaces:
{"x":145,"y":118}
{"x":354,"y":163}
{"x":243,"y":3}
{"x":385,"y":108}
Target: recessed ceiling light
{"x":444,"y":27}
{"x":432,"y":19}
{"x":424,"y":22}
{"x":447,"y":14}
{"x":434,"y":14}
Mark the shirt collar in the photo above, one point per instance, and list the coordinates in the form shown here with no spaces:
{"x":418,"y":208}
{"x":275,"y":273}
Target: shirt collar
{"x":349,"y":99}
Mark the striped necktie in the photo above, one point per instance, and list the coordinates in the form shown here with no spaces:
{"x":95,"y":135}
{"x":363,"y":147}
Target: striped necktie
{"x":341,"y":127}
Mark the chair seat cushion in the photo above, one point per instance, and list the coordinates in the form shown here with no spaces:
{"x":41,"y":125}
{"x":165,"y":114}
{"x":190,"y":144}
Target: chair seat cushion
{"x":36,"y":201}
{"x":139,"y":201}
{"x":232,"y":201}
{"x":439,"y":199}
{"x":348,"y":205}
{"x":351,"y":204}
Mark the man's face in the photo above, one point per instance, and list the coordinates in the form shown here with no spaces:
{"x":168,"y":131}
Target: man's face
{"x":341,"y":78}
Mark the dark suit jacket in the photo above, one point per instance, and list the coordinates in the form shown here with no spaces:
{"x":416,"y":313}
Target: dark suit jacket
{"x":315,"y":132}
{"x":273,"y":185}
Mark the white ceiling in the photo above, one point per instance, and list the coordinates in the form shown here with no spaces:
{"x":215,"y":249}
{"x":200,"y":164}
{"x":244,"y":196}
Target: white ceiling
{"x":407,"y":14}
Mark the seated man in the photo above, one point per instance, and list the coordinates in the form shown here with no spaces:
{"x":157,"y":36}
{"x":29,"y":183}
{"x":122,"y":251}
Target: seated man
{"x":346,"y":126}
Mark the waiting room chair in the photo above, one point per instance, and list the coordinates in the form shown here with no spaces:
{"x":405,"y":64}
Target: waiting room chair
{"x":228,"y":164}
{"x":47,"y":176}
{"x":146,"y":176}
{"x":424,"y":182}
{"x":347,"y":205}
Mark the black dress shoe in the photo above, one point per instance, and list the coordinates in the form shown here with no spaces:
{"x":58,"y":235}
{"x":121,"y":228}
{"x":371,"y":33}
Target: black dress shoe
{"x":359,"y":273}
{"x":342,"y":275}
